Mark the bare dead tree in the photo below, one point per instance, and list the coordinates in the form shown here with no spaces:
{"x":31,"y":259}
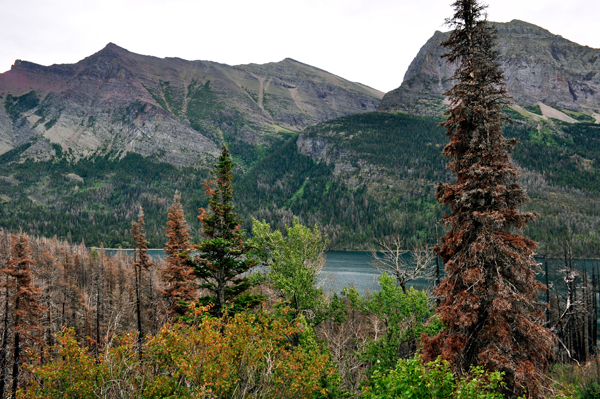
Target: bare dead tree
{"x":404,"y":264}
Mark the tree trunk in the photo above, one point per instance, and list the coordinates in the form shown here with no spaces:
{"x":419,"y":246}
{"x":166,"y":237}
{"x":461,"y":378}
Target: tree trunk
{"x":4,"y":348}
{"x":138,"y":308}
{"x":437,"y":264}
{"x":15,"y":373}
{"x":595,"y":307}
{"x":548,"y":309}
{"x":97,"y":318}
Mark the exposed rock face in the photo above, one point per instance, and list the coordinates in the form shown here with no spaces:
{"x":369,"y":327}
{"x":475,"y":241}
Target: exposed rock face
{"x":176,"y":110}
{"x":538,"y":65}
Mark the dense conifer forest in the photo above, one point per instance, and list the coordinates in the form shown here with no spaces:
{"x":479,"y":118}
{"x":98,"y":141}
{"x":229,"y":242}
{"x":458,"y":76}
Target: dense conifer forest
{"x":93,"y":200}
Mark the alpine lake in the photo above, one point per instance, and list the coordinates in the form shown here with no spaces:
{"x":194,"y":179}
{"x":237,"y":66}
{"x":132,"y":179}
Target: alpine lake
{"x":355,"y":269}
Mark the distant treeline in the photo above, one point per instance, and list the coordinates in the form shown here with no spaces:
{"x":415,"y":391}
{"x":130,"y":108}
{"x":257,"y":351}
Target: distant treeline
{"x":394,"y":163}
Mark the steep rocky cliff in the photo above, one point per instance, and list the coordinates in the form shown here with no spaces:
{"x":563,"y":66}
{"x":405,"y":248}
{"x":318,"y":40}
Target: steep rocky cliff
{"x":179,"y":111}
{"x":540,"y":67}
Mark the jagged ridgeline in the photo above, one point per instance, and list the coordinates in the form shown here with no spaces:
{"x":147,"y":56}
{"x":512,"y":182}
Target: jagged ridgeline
{"x":174,"y":110}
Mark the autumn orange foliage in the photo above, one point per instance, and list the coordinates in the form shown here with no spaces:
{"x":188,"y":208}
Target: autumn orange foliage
{"x":247,"y":355}
{"x":178,"y":276}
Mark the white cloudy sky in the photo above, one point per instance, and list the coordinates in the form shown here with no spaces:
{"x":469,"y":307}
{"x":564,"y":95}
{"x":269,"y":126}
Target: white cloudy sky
{"x":368,"y":41}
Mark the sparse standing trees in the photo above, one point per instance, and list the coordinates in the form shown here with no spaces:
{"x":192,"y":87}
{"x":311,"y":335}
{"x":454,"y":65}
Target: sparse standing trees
{"x":4,"y":258}
{"x":25,"y":303}
{"x":489,"y":299}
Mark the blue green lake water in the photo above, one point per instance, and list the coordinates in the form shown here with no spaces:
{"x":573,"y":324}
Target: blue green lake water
{"x":345,"y":269}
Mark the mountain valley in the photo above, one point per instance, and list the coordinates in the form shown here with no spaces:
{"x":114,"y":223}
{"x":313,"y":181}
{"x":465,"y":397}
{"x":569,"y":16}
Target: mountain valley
{"x":85,"y":144}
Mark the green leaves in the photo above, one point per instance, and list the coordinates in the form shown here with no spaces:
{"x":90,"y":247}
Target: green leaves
{"x":243,"y":356}
{"x":294,"y":261}
{"x":222,"y":254}
{"x":402,"y":314}
{"x":411,"y":379}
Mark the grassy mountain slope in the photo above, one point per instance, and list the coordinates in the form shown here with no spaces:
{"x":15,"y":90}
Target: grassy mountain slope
{"x":177,"y":111}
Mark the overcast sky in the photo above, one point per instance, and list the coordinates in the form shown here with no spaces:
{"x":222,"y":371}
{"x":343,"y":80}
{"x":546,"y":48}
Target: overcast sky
{"x":367,"y":41}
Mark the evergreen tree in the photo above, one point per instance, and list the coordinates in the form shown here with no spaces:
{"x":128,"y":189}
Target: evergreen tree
{"x":178,"y":276}
{"x":142,"y":263}
{"x":222,"y":257}
{"x":25,"y":304}
{"x":489,"y":300}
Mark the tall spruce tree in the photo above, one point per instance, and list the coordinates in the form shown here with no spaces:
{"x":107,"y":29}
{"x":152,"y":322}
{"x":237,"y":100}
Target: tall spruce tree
{"x":489,"y":299}
{"x":25,"y":304}
{"x":178,"y":276}
{"x":222,"y":257}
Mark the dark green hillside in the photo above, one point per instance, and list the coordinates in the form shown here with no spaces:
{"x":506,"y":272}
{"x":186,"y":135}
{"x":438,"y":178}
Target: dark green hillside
{"x":360,"y":177}
{"x":378,"y":173}
{"x":368,"y":202}
{"x":94,"y":200}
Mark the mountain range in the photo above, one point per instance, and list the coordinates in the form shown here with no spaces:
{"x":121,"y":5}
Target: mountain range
{"x":175,"y":110}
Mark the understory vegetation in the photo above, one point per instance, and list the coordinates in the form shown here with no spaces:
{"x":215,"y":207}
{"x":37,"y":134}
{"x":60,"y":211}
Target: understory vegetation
{"x":80,"y":322}
{"x":299,"y":342}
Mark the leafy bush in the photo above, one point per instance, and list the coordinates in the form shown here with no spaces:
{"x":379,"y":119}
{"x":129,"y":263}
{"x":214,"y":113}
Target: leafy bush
{"x":403,"y":316}
{"x":412,"y":379}
{"x":294,"y":261}
{"x":244,"y":356}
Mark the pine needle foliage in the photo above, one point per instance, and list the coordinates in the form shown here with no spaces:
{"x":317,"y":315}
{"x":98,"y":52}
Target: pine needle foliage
{"x":489,"y":300}
{"x":222,"y":257}
{"x":178,"y":276}
{"x":25,"y":304}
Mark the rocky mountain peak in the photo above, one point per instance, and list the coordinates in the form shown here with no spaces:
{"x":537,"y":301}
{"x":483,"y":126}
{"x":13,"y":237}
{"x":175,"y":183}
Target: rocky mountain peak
{"x":179,"y":111}
{"x":539,"y":66}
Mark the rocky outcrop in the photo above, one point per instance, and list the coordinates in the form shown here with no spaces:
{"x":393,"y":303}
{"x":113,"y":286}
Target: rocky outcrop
{"x":538,"y":65}
{"x":175,"y":110}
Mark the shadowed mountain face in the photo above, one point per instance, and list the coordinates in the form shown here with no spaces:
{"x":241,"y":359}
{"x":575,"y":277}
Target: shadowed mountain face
{"x":539,"y":67}
{"x":178,"y":111}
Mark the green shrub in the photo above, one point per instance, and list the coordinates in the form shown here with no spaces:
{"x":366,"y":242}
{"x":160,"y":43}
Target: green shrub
{"x":412,"y":379}
{"x":403,"y":314}
{"x":534,"y":109}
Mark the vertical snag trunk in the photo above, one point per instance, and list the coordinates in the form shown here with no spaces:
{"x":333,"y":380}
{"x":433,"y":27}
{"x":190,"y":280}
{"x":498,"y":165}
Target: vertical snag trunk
{"x":4,"y":349}
{"x":97,"y":350}
{"x":549,"y":308}
{"x":138,"y":308}
{"x":141,"y":262}
{"x":437,"y":264}
{"x":16,"y":359}
{"x":595,"y":312}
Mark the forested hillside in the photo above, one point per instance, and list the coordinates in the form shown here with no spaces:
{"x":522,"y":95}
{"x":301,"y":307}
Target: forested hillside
{"x":372,"y":175}
{"x":360,"y":177}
